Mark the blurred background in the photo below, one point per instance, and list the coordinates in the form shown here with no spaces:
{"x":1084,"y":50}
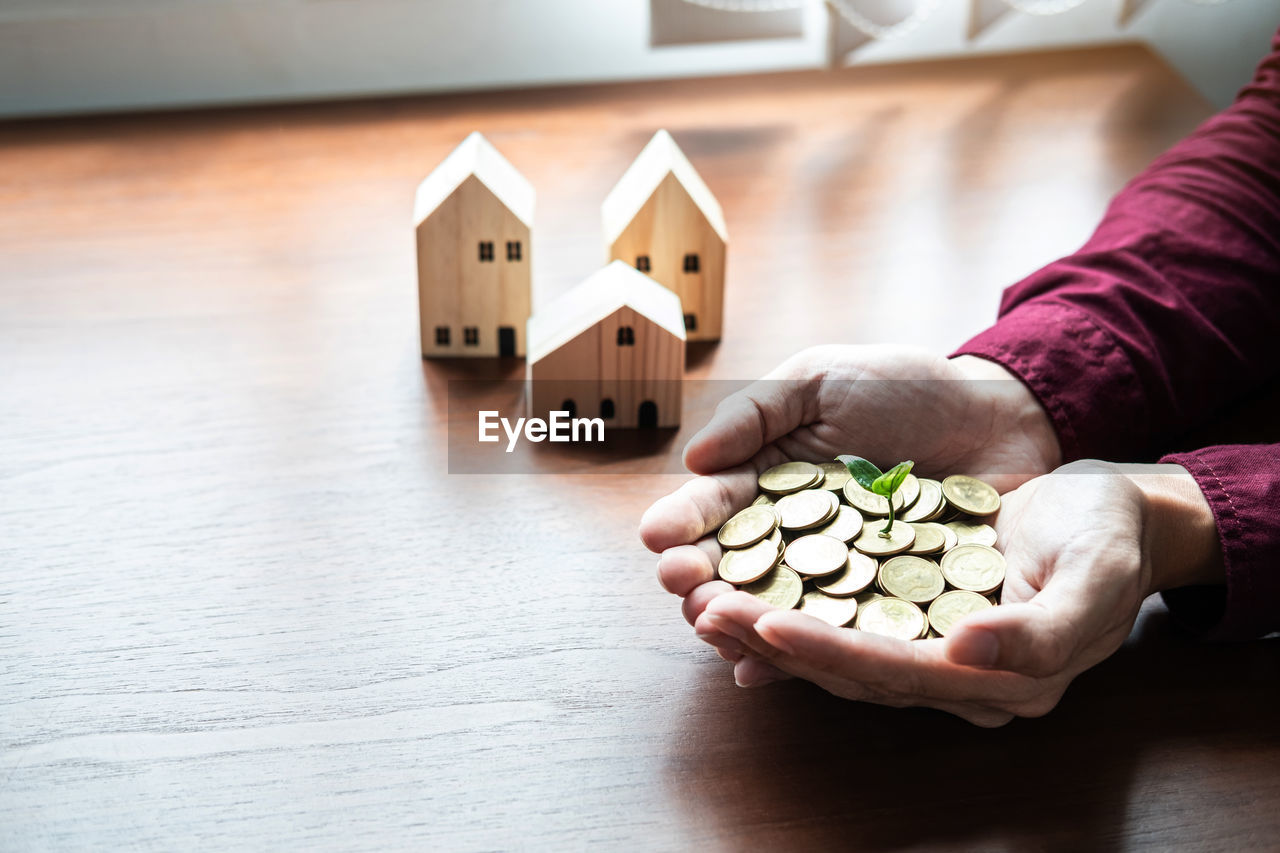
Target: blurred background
{"x":70,"y":56}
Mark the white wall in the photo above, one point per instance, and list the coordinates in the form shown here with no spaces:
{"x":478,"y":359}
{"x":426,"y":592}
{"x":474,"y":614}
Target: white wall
{"x":65,"y":56}
{"x":1214,"y":46}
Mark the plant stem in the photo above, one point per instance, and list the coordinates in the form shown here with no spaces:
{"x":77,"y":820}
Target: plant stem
{"x":887,"y":531}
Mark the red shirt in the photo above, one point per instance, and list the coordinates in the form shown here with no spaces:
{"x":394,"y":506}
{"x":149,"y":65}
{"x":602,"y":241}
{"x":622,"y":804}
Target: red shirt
{"x":1166,"y":317}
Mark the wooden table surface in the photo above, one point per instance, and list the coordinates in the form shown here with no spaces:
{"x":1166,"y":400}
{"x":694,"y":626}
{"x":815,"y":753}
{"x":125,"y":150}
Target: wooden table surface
{"x":243,"y":605}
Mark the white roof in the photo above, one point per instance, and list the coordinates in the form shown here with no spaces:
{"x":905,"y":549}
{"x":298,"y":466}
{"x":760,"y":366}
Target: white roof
{"x":658,"y":159}
{"x":615,"y":286}
{"x":475,"y":156}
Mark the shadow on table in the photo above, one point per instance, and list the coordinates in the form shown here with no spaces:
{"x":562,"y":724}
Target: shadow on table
{"x":800,"y":769}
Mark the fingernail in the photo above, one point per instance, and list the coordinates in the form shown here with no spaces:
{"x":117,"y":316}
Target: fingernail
{"x":718,"y":639}
{"x":975,"y":647}
{"x":726,"y":626}
{"x":760,"y":681}
{"x":765,"y":631}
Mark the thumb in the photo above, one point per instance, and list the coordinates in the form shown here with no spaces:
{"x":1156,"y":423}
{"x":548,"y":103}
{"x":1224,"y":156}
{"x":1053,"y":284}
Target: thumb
{"x":746,"y":421}
{"x":1030,"y":638}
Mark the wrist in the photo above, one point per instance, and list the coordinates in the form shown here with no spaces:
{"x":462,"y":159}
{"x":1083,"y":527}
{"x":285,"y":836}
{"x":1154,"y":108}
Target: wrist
{"x":1180,"y":537}
{"x":1019,"y":412}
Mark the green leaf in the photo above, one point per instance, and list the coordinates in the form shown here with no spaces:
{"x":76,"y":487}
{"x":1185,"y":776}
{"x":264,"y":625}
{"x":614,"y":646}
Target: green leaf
{"x":864,"y":473}
{"x":889,"y":482}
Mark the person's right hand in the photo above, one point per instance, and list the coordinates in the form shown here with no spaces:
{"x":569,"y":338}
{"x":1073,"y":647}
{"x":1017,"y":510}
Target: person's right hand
{"x":963,"y":415}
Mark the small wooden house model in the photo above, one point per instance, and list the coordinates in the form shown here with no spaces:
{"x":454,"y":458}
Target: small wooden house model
{"x":612,"y":348}
{"x":662,"y":220}
{"x":473,"y":215}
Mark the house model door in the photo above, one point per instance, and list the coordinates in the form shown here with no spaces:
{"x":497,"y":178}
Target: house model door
{"x":506,"y":341}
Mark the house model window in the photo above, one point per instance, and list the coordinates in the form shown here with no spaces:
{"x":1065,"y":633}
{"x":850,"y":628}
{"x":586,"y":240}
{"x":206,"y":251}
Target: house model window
{"x":691,"y":322}
{"x":475,"y":198}
{"x":570,"y":407}
{"x":571,"y":345}
{"x":662,"y":216}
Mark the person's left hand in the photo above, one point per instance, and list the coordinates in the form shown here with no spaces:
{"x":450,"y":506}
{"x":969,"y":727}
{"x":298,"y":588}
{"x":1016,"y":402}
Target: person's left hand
{"x":1079,"y":543}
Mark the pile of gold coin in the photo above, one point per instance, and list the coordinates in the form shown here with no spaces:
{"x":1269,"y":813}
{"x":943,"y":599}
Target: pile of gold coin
{"x":812,"y":540}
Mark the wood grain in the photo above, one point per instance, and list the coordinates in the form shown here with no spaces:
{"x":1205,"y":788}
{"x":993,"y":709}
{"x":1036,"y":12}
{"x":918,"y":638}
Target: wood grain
{"x":244,"y":606}
{"x":456,"y":289}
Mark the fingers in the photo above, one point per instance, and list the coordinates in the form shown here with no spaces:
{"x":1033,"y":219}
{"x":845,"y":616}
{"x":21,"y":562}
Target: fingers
{"x":749,"y":420}
{"x":692,"y":607}
{"x":1049,"y":633}
{"x":753,"y":672}
{"x":863,"y":667}
{"x":698,"y":599}
{"x":805,"y":648}
{"x":684,"y":567}
{"x":916,"y":672}
{"x":1029,"y":638}
{"x":697,"y":508}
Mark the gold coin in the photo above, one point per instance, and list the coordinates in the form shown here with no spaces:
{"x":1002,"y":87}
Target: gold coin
{"x":973,"y":567}
{"x":835,"y":475}
{"x":865,"y":598}
{"x":776,"y":538}
{"x":952,"y":539}
{"x":765,"y":499}
{"x":815,"y":555}
{"x":971,"y":495}
{"x":929,"y":504}
{"x":869,"y":503}
{"x":892,"y":617}
{"x":846,"y":526}
{"x":781,"y":588}
{"x":858,"y":573}
{"x":748,"y":564}
{"x":789,"y":477}
{"x":913,"y":579}
{"x":950,"y":607}
{"x":969,"y":533}
{"x":809,"y":508}
{"x":901,"y":537}
{"x":930,"y":538}
{"x":748,"y":527}
{"x":834,"y":611}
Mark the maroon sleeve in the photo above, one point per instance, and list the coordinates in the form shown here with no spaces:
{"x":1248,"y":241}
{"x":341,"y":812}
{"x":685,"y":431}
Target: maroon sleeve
{"x":1172,"y":308}
{"x":1169,"y":314}
{"x":1242,"y":485}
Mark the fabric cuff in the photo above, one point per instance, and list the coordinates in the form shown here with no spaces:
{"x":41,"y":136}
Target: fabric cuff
{"x":1242,"y":486}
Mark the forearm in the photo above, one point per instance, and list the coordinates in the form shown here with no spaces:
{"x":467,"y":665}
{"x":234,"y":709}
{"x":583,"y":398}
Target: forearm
{"x":1015,"y":410}
{"x":1170,"y":311}
{"x":1180,"y":538}
{"x":1212,"y":536}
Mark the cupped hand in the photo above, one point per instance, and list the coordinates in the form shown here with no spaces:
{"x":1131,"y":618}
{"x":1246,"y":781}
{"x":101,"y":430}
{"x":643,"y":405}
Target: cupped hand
{"x":1082,"y":546}
{"x":964,"y":415}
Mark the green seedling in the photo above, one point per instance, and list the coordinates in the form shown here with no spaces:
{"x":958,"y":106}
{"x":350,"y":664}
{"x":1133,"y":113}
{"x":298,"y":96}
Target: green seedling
{"x":881,"y":483}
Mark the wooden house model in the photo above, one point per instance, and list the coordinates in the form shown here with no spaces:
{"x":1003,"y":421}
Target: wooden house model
{"x":612,"y":348}
{"x":662,"y":220}
{"x":472,"y":216}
